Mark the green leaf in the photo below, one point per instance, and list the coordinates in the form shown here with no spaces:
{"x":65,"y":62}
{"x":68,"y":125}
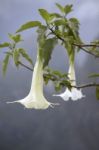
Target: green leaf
{"x":46,"y":79}
{"x":60,"y":22}
{"x":73,"y":32}
{"x":48,"y":48}
{"x":15,"y":38}
{"x":45,"y":15}
{"x":5,"y":63}
{"x":94,"y":75}
{"x":97,"y":92}
{"x":55,"y":15}
{"x":5,"y":44}
{"x":10,"y":53}
{"x":61,"y":8}
{"x":95,"y":42}
{"x":41,"y":35}
{"x":68,"y":9}
{"x":57,"y":73}
{"x":25,"y":55}
{"x":28,"y":25}
{"x":74,"y":25}
{"x":57,"y":86}
{"x":16,"y":56}
{"x":67,"y":84}
{"x":74,"y":20}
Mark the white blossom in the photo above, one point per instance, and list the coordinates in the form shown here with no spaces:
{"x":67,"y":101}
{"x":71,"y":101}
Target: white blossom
{"x":74,"y":93}
{"x":35,"y":98}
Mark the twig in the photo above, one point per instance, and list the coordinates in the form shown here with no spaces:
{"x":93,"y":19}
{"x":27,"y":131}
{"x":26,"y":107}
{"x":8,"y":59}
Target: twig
{"x":81,"y":46}
{"x":85,"y":50}
{"x":86,"y":85}
{"x":25,"y":66}
{"x":56,"y":34}
{"x":54,"y":78}
{"x":44,"y":75}
{"x":87,"y":45}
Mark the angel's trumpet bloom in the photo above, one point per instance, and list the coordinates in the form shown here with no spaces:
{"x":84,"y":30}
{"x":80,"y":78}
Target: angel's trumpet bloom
{"x":35,"y":98}
{"x":74,"y":93}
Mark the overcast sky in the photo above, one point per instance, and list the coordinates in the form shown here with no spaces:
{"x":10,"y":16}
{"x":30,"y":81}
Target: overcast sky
{"x":72,"y":125}
{"x":13,"y":13}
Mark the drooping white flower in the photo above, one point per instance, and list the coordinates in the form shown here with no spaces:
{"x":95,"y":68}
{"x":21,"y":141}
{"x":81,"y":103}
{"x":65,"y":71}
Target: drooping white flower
{"x":74,"y":93}
{"x":35,"y":98}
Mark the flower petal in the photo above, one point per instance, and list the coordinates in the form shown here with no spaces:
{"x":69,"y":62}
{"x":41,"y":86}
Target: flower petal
{"x":66,"y":95}
{"x":35,"y":98}
{"x":76,"y":94}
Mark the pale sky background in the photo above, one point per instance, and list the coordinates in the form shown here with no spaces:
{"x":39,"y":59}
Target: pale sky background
{"x":71,"y":126}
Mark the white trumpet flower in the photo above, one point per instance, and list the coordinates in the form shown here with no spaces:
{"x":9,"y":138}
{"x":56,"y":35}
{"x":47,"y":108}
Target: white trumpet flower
{"x":74,"y":93}
{"x":35,"y":98}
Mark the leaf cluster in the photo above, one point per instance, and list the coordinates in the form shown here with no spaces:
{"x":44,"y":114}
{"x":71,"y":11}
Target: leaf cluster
{"x":14,"y":53}
{"x":59,"y":79}
{"x":58,"y":28}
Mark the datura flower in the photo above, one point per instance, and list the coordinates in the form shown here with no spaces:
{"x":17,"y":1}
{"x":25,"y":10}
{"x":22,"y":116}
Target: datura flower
{"x":74,"y":93}
{"x":35,"y":98}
